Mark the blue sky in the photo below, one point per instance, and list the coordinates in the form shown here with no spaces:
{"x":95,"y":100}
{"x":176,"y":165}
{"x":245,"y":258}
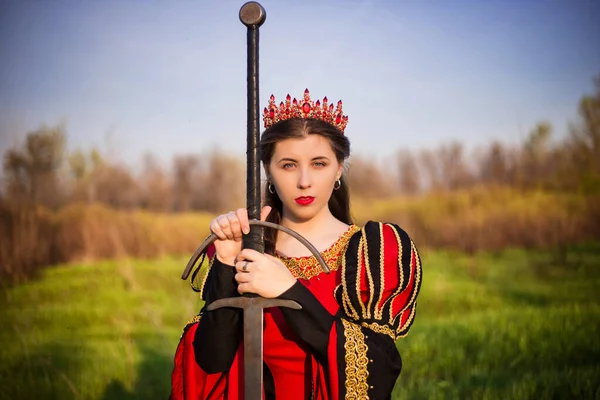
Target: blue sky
{"x":169,"y":77}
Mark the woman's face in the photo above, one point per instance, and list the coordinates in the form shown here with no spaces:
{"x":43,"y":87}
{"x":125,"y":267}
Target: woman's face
{"x":303,"y":171}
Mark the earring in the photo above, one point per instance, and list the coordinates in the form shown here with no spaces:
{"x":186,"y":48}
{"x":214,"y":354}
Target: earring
{"x":337,"y":184}
{"x":271,"y":188}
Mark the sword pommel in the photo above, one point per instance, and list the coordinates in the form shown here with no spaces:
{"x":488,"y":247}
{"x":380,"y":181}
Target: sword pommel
{"x":252,"y":14}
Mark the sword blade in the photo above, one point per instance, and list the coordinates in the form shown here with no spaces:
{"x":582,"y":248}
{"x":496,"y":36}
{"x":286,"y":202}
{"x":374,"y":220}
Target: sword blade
{"x":253,"y":337}
{"x":253,"y":350}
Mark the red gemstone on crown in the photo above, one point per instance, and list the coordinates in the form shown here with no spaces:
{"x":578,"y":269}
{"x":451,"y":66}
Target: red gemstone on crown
{"x":306,"y":108}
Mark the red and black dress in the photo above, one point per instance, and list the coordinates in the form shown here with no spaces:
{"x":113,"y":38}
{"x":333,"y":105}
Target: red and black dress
{"x":340,"y":345}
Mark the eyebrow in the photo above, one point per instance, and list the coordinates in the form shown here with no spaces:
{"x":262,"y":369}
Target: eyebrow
{"x":314,"y":159}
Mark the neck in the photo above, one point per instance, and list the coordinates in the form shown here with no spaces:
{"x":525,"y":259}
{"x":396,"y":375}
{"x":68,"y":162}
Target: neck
{"x":306,"y":227}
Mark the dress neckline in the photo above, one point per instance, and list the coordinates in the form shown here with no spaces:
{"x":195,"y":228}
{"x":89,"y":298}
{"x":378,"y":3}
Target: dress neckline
{"x":343,"y":237}
{"x":307,"y":267}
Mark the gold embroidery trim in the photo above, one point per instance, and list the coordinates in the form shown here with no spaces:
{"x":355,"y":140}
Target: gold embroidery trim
{"x":408,"y":322}
{"x":386,"y":330}
{"x":356,"y":362}
{"x":369,"y":278}
{"x":378,"y":304}
{"x":413,"y":299}
{"x":307,"y":267}
{"x":350,"y":311}
{"x":193,"y":320}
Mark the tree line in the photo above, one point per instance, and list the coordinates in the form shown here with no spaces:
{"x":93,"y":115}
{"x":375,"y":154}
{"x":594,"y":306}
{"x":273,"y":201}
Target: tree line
{"x":43,"y":172}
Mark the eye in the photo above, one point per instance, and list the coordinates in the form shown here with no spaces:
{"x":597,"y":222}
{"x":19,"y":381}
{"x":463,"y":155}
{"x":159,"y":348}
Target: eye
{"x":288,"y":166}
{"x":320,"y":164}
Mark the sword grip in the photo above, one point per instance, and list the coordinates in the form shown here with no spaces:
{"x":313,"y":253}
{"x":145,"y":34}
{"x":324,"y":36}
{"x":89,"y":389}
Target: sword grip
{"x":252,"y":14}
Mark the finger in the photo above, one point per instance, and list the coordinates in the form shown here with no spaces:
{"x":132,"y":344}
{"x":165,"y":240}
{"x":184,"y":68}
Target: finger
{"x":264,"y":213}
{"x":242,"y":215}
{"x":224,"y":225}
{"x":249,"y":255}
{"x":234,"y":223}
{"x":242,"y":266}
{"x":241,"y":277}
{"x":245,"y":288}
{"x":216,"y":229}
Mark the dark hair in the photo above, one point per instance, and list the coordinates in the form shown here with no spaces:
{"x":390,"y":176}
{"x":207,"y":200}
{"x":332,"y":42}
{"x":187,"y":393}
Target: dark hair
{"x":339,"y":203}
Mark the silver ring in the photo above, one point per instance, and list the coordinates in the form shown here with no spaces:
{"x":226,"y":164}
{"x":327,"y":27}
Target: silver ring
{"x":245,"y":266}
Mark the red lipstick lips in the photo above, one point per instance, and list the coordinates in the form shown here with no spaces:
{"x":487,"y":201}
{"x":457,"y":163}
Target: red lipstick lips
{"x":305,"y":200}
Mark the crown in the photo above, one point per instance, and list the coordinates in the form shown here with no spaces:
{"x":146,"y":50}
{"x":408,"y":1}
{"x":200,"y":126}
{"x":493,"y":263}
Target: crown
{"x":305,"y":108}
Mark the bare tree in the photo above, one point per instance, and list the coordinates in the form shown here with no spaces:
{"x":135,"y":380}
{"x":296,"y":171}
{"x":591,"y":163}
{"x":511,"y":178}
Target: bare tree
{"x":409,"y":177}
{"x":584,"y":143}
{"x":493,"y":167}
{"x":32,"y":172}
{"x":367,"y":180}
{"x":222,"y":186}
{"x":185,"y":174}
{"x":431,"y":169}
{"x":536,"y":152}
{"x":85,"y":168}
{"x":453,"y":169}
{"x":116,"y":187}
{"x":156,"y":193}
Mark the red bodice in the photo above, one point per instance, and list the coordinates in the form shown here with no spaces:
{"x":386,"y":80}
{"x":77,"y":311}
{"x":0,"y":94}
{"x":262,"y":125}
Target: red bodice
{"x":294,"y":369}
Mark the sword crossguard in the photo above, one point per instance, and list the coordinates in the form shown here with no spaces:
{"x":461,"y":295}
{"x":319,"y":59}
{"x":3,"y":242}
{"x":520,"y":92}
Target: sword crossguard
{"x":253,"y":336}
{"x":245,"y":302}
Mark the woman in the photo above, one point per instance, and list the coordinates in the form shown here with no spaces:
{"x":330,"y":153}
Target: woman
{"x":341,"y":344}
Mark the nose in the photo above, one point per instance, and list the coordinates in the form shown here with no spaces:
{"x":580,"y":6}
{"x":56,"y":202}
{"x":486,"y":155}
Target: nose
{"x":304,"y":179}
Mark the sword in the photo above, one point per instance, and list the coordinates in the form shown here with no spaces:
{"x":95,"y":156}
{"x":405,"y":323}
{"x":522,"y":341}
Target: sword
{"x":253,"y":15}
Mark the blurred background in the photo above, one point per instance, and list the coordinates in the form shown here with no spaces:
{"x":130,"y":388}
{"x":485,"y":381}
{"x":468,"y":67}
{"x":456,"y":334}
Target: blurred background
{"x":474,"y":125}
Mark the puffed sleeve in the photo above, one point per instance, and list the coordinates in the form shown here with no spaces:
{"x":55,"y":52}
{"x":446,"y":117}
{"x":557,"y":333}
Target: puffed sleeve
{"x":381,"y":277}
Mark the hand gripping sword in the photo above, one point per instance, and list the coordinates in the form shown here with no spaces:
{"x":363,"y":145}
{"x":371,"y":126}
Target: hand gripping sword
{"x":253,"y":15}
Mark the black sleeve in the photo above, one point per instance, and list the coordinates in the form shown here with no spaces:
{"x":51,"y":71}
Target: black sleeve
{"x":312,"y":323}
{"x":220,"y":331}
{"x":385,"y":364}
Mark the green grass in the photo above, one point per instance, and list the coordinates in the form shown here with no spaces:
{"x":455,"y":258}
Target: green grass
{"x":512,"y":325}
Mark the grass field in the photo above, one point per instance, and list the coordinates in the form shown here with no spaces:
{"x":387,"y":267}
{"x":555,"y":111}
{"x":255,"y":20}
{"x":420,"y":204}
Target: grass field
{"x":512,"y":325}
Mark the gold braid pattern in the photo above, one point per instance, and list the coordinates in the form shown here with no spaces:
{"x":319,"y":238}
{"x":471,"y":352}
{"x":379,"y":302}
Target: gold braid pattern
{"x":356,"y":362}
{"x":211,"y":261}
{"x":307,"y":267}
{"x":195,"y":318}
{"x":378,"y":312}
{"x":385,"y":329}
{"x":403,"y":328}
{"x":380,"y":303}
